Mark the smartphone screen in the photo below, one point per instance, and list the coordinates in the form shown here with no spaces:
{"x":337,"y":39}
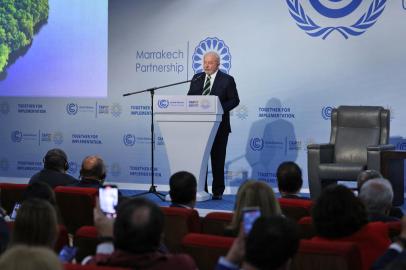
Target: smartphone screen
{"x":108,"y":197}
{"x":14,"y":213}
{"x":249,"y":217}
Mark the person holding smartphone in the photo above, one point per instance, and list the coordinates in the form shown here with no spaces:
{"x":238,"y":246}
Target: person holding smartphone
{"x":270,"y":244}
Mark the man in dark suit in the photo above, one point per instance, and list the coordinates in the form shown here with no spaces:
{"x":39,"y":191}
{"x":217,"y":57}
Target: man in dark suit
{"x":54,"y":172}
{"x":92,"y":173}
{"x":214,"y":82}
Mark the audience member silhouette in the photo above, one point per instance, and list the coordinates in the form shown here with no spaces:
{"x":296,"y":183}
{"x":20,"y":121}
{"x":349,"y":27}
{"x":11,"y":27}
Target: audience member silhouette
{"x":338,"y":215}
{"x":253,"y":194}
{"x":35,"y":224}
{"x":21,"y":257}
{"x":377,"y":196}
{"x":137,"y":234}
{"x":55,"y":168}
{"x":182,"y":189}
{"x":271,"y":244}
{"x":92,"y":173}
{"x":289,"y":178}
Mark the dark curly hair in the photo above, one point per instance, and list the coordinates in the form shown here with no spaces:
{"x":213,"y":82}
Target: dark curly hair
{"x":338,"y":213}
{"x":289,"y":176}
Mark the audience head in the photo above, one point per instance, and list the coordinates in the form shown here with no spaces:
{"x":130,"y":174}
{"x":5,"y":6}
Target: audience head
{"x":93,"y":168}
{"x":138,"y":227}
{"x":272,"y":242}
{"x":377,"y":196}
{"x":365,"y":176}
{"x":35,"y":224}
{"x":29,"y":258}
{"x":57,"y":160}
{"x":182,"y":188}
{"x":254,"y":194}
{"x":338,"y":212}
{"x":40,"y":190}
{"x":289,"y":177}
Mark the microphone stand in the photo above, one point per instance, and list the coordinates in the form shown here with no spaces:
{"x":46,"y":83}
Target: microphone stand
{"x":152,"y":188}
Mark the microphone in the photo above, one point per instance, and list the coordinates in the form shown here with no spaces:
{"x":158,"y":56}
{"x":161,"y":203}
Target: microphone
{"x":199,"y":77}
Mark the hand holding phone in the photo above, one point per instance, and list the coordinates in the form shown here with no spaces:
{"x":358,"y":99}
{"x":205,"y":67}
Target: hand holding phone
{"x":108,"y":199}
{"x":250,"y":214}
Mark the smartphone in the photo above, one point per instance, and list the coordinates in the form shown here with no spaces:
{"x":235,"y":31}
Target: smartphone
{"x":15,"y":209}
{"x":67,"y":254}
{"x":108,"y":198}
{"x":250,"y":214}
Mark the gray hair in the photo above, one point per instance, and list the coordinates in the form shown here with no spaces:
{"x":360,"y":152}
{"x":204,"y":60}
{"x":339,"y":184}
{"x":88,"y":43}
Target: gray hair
{"x":213,"y":53}
{"x":377,"y":195}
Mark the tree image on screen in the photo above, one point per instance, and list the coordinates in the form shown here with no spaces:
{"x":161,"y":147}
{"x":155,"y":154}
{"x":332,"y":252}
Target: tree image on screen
{"x":19,"y":19}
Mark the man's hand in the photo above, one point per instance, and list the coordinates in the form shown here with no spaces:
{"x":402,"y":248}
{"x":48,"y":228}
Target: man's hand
{"x":103,"y":224}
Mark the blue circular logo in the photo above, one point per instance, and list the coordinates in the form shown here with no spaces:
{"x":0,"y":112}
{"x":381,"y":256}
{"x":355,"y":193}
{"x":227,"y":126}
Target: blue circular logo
{"x":310,"y":26}
{"x":16,"y":136}
{"x":72,"y":108}
{"x":73,"y":167}
{"x":211,"y":44}
{"x":326,"y":112}
{"x":257,"y":144}
{"x":129,"y":139}
{"x":4,"y":108}
{"x":163,"y":103}
{"x":116,"y":109}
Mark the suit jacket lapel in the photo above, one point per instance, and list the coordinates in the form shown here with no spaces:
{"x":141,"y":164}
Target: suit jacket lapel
{"x":216,"y":82}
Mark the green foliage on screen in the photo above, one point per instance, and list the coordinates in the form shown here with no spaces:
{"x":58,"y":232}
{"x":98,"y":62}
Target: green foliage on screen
{"x":18,"y":19}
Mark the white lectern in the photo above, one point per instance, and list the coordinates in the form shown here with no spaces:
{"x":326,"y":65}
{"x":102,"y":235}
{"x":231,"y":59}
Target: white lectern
{"x":188,"y":125}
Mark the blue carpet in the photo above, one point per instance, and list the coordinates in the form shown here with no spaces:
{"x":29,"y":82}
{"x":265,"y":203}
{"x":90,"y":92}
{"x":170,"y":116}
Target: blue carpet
{"x":227,"y":203}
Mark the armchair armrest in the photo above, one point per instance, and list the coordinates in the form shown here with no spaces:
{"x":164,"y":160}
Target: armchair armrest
{"x":381,"y":147}
{"x":374,"y":155}
{"x":320,"y":146}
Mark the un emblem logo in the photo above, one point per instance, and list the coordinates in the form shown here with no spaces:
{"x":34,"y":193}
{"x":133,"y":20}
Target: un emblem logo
{"x":326,"y":112}
{"x":335,"y":9}
{"x":57,"y":137}
{"x":211,"y":45}
{"x":163,"y":103}
{"x":116,"y":109}
{"x":257,"y":144}
{"x":72,"y":108}
{"x":129,"y":139}
{"x":16,"y":136}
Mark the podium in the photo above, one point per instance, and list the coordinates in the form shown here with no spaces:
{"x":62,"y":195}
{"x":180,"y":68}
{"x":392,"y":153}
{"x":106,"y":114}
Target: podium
{"x":189,"y":125}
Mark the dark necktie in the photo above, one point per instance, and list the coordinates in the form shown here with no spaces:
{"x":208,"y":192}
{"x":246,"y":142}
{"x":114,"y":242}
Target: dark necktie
{"x":206,"y":88}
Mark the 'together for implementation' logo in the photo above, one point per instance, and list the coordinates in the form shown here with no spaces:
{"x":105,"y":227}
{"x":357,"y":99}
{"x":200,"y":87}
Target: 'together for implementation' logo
{"x":256,"y":144}
{"x":326,"y":112}
{"x":335,"y":9}
{"x":211,"y":44}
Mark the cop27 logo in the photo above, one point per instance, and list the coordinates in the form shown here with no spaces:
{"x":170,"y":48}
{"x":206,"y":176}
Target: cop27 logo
{"x":211,"y":44}
{"x":334,"y":9}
